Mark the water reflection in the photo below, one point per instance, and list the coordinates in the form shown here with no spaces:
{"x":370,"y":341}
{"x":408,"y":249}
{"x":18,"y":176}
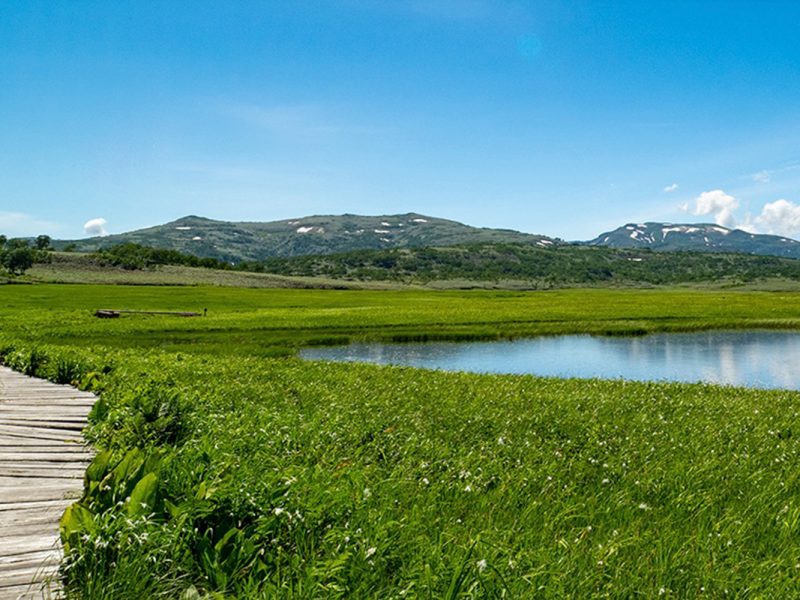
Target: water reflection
{"x":767,"y":359}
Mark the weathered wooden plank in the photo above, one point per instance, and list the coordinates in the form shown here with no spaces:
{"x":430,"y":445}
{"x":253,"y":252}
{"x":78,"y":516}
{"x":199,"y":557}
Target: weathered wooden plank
{"x":31,"y":404}
{"x":59,"y":422}
{"x":29,"y":528}
{"x":17,"y":545}
{"x":39,"y":434}
{"x":24,"y":592}
{"x":33,"y":445}
{"x":30,"y":515}
{"x":28,"y":576}
{"x":28,"y":448}
{"x":76,"y":472}
{"x":41,"y":429}
{"x":17,"y":491}
{"x":16,"y":380}
{"x":55,"y":463}
{"x":54,"y":456}
{"x":45,"y":505}
{"x":31,"y":559}
{"x":72,"y":410}
{"x":11,"y":495}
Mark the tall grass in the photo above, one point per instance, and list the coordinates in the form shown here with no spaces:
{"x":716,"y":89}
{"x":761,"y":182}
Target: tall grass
{"x":224,"y":471}
{"x":295,"y":479}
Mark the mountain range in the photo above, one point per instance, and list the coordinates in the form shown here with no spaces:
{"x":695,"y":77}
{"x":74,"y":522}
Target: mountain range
{"x":330,"y":234}
{"x":326,"y":234}
{"x":700,"y":237}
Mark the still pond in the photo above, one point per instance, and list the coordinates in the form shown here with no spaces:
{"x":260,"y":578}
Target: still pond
{"x":765,"y":359}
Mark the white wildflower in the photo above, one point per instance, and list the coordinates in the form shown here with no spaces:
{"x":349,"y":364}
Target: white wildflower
{"x":482,"y":565}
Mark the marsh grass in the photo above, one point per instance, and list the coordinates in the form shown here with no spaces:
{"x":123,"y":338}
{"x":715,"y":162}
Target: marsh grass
{"x":228,"y":474}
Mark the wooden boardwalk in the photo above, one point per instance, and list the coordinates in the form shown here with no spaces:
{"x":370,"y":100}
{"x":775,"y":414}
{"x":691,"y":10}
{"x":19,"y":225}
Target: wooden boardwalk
{"x":42,"y":461}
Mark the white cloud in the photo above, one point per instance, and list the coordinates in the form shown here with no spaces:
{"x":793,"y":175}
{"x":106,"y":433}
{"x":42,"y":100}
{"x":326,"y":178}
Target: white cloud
{"x":780,"y":217}
{"x":719,"y":204}
{"x":671,"y":188}
{"x":762,"y":176}
{"x":95,"y":226}
{"x":16,"y":224}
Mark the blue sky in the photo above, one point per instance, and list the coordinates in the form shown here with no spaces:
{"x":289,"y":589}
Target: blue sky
{"x":562,"y":118}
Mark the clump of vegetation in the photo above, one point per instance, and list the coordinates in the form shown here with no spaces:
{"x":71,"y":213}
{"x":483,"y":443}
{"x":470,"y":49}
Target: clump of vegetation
{"x":133,"y":256}
{"x":18,"y":255}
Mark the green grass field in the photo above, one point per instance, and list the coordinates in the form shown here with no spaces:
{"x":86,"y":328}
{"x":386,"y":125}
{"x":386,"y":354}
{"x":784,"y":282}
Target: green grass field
{"x":226,"y":473}
{"x":252,"y":321}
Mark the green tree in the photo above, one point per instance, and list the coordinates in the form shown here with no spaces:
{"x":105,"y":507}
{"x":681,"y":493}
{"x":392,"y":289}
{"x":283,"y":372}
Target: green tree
{"x":17,"y":243}
{"x":18,"y":260}
{"x":43,"y":242}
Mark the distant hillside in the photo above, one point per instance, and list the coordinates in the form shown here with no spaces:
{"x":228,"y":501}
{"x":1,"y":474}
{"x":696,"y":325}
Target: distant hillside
{"x":703,"y":237}
{"x":232,"y":241}
{"x":557,"y":266}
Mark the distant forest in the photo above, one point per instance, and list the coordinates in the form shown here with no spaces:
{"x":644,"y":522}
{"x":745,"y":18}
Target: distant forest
{"x":545,"y":267}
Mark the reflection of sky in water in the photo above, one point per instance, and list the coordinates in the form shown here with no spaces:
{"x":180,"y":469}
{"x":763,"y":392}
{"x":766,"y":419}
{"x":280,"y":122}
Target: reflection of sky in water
{"x":752,"y":358}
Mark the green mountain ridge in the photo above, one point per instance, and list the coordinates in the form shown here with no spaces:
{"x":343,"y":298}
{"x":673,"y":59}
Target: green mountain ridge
{"x":319,"y":235}
{"x":312,"y":235}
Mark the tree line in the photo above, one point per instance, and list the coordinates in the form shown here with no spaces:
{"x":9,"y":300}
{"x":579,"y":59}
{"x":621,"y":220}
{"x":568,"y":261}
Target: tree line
{"x":544,"y":267}
{"x":17,"y":255}
{"x":561,"y":265}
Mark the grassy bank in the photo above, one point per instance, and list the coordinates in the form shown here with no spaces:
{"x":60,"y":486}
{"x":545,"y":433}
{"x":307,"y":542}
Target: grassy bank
{"x":226,"y":473}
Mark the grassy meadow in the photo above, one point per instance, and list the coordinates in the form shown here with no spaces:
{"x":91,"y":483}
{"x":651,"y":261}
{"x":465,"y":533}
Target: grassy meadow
{"x":228,"y":468}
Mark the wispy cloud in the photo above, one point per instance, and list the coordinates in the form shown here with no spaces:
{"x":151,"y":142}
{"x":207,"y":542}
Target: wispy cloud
{"x":766,"y":175}
{"x":25,"y":225}
{"x":671,"y":188}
